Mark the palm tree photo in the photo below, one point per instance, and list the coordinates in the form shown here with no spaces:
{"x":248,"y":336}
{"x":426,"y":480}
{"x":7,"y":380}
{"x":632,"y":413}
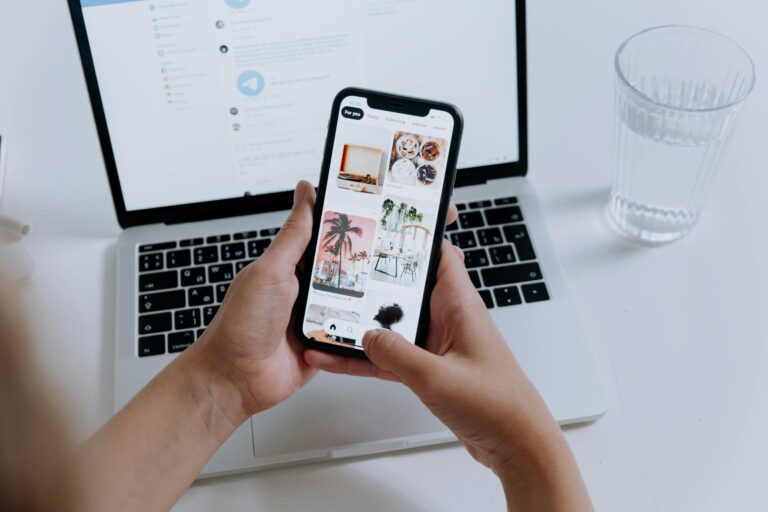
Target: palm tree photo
{"x":338,"y":239}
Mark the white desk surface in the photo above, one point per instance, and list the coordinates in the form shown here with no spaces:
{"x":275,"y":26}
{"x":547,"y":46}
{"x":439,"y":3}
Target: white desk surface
{"x":680,"y":330}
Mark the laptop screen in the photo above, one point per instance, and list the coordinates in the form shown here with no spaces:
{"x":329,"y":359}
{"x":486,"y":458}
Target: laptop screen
{"x":217,"y":99}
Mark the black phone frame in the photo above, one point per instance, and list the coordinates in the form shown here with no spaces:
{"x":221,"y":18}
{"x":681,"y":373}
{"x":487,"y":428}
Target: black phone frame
{"x":399,"y":104}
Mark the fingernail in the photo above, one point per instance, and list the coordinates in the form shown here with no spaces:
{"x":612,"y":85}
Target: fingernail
{"x":370,"y":335}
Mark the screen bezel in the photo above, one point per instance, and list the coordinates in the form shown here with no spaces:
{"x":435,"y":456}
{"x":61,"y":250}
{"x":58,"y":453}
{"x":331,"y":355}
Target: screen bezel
{"x":278,"y":200}
{"x":396,"y":104}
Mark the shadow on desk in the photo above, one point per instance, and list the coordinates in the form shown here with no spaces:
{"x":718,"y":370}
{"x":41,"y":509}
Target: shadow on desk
{"x":584,"y":240}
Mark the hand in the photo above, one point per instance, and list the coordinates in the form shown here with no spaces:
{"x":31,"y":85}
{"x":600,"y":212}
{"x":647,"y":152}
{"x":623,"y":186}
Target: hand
{"x":470,"y":380}
{"x":251,"y":341}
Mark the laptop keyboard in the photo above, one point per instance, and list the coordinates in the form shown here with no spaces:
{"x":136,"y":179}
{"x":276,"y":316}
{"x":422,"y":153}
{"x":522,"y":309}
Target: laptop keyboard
{"x":498,"y":252}
{"x":182,"y":283}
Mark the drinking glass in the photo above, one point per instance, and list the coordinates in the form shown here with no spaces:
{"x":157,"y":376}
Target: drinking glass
{"x":678,"y":92}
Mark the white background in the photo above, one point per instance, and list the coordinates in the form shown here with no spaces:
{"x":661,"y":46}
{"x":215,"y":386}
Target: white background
{"x":679,"y":330}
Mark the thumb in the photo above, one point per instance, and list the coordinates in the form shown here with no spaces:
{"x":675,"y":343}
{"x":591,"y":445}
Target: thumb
{"x":391,"y":352}
{"x":292,"y":240}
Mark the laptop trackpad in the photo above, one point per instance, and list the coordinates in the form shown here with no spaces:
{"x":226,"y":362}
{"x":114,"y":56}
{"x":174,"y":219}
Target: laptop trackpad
{"x":336,"y":411}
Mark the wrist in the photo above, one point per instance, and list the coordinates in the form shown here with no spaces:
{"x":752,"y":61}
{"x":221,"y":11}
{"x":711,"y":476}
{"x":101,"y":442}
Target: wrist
{"x":540,"y":473}
{"x":222,"y":402}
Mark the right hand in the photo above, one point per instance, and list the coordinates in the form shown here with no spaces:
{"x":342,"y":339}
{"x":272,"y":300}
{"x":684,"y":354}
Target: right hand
{"x":470,"y":380}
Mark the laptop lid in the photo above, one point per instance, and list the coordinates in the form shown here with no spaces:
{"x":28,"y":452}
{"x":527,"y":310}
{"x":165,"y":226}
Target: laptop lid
{"x":215,"y":108}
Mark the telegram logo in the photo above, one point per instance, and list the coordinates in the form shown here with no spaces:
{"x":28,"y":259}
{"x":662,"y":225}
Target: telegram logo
{"x":238,"y":4}
{"x":250,"y":83}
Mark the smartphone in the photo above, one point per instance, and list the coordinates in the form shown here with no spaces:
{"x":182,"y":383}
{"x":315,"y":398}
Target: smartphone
{"x":384,"y":192}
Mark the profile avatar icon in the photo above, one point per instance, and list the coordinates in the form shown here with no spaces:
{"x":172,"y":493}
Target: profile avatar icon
{"x":224,"y":48}
{"x":220,"y":24}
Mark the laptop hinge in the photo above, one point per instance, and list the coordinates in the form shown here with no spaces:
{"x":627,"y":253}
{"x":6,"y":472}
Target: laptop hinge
{"x":467,"y":180}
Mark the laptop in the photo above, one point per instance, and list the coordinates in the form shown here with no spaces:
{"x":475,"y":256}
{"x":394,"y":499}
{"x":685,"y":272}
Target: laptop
{"x":209,"y":112}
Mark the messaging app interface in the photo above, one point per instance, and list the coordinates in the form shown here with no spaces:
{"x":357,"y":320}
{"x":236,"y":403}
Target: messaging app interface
{"x":215,"y":99}
{"x":387,"y":172}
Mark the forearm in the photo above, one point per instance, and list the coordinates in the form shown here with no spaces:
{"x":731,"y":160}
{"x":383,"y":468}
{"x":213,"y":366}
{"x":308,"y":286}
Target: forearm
{"x":151,"y":451}
{"x":544,"y":476}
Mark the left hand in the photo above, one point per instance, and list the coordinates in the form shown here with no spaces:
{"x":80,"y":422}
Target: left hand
{"x":251,"y":342}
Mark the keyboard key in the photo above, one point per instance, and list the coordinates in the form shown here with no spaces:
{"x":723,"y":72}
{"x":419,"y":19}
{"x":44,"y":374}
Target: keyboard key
{"x":270,"y":232}
{"x":221,"y":292}
{"x":461,"y":207}
{"x":208,"y":314}
{"x":187,"y":319}
{"x":502,"y":255}
{"x":518,"y":235}
{"x":176,"y":259}
{"x":152,"y":324}
{"x":152,"y":345}
{"x":201,"y":296}
{"x":475,"y":277}
{"x":246,"y":235}
{"x":191,"y":242}
{"x":505,"y":200}
{"x":220,"y":273}
{"x":507,"y":296}
{"x":240,"y":265}
{"x":208,"y":254}
{"x":452,"y":227}
{"x":180,"y":341}
{"x":476,"y":258}
{"x":469,"y":220}
{"x":150,"y":262}
{"x":200,"y":333}
{"x":536,"y":292}
{"x":487,"y":298}
{"x":152,"y":302}
{"x":258,"y":247}
{"x":158,"y":281}
{"x":234,"y":251}
{"x":193,"y":276}
{"x":218,"y":239}
{"x":506,"y":215}
{"x":511,"y":274}
{"x":490,"y":236}
{"x":464,"y":240}
{"x":157,"y":247}
{"x":479,"y":204}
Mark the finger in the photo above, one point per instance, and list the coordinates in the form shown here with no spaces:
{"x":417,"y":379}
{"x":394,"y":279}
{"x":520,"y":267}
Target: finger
{"x":452,"y":262}
{"x":289,"y":245}
{"x":458,"y":252}
{"x":453,"y":214}
{"x":346,"y":365}
{"x":392,"y":353}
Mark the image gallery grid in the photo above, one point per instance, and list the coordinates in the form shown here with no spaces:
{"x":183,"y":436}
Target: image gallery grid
{"x":378,"y":225}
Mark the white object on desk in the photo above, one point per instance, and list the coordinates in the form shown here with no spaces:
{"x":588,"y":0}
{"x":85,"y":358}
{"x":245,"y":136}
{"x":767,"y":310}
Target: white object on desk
{"x":14,"y":258}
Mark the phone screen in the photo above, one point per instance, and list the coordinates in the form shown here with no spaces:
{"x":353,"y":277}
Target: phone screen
{"x":378,"y":222}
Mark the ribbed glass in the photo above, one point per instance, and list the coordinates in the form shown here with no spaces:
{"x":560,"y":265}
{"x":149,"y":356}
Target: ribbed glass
{"x":678,"y":92}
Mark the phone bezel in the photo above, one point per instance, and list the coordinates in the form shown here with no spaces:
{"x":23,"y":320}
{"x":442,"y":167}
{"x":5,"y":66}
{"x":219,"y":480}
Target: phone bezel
{"x":399,"y":104}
